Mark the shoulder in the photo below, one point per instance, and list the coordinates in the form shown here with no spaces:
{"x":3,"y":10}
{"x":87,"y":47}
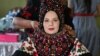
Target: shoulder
{"x":69,"y":30}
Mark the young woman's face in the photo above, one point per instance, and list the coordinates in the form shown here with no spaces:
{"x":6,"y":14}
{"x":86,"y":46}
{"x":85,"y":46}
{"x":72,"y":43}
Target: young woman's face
{"x":51,"y":22}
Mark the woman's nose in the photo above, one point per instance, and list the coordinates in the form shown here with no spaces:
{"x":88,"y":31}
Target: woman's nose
{"x":51,"y":23}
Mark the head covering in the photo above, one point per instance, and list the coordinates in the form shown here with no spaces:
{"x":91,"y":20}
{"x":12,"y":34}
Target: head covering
{"x":51,"y":5}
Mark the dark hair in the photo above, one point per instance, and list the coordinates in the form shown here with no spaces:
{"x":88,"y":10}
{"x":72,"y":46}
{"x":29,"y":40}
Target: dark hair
{"x":59,"y":9}
{"x":87,"y":5}
{"x":33,"y":3}
{"x":33,"y":7}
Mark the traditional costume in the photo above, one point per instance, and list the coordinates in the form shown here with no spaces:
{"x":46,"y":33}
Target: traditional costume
{"x":62,"y":43}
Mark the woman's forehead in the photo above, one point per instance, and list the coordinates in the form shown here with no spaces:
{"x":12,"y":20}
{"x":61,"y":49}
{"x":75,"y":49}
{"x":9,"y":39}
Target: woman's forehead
{"x":51,"y":14}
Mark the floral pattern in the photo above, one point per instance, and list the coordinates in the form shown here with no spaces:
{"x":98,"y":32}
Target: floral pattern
{"x":61,"y":44}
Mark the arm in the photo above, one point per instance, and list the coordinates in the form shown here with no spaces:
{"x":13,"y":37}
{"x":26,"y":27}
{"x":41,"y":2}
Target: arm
{"x":23,"y":23}
{"x":98,"y":10}
{"x":70,"y":5}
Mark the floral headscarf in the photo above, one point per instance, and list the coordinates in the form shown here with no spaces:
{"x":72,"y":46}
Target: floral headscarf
{"x":52,"y":5}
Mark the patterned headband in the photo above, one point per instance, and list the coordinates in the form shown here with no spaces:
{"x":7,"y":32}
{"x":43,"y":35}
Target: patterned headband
{"x":53,"y":5}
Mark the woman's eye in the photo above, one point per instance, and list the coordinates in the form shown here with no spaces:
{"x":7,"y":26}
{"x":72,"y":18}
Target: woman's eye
{"x":46,"y":20}
{"x":55,"y":20}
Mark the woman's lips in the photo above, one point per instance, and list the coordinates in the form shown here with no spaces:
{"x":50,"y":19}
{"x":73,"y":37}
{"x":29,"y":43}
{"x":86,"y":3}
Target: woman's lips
{"x":51,"y":29}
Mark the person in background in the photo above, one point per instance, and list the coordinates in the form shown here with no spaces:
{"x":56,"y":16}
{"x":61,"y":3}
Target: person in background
{"x":68,"y":16}
{"x":24,"y":19}
{"x":30,"y":13}
{"x":84,"y":20}
{"x":28,"y":17}
{"x":51,"y":27}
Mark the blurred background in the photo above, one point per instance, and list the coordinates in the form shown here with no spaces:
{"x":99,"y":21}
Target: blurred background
{"x":6,"y":5}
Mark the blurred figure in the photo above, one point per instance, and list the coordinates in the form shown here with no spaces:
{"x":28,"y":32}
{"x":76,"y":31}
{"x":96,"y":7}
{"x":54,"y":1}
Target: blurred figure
{"x":84,"y":12}
{"x":28,"y":16}
{"x":68,"y":17}
{"x":6,"y":22}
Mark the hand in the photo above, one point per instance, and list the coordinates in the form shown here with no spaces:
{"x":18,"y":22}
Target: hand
{"x":34,"y":24}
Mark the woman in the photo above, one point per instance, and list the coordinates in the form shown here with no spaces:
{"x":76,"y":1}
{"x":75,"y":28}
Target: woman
{"x":30,"y":13}
{"x":52,"y":38}
{"x":84,"y":20}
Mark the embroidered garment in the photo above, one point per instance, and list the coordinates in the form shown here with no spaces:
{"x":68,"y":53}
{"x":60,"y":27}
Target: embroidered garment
{"x":61,"y":44}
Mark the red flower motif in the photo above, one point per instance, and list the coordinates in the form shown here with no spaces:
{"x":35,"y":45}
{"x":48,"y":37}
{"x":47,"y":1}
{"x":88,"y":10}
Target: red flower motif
{"x":46,"y":49}
{"x":30,"y":48}
{"x":79,"y":46}
{"x":59,"y":50}
{"x":35,"y":54}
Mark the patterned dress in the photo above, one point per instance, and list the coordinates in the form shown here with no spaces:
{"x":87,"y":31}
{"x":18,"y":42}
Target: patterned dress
{"x":63,"y":43}
{"x":85,"y":25}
